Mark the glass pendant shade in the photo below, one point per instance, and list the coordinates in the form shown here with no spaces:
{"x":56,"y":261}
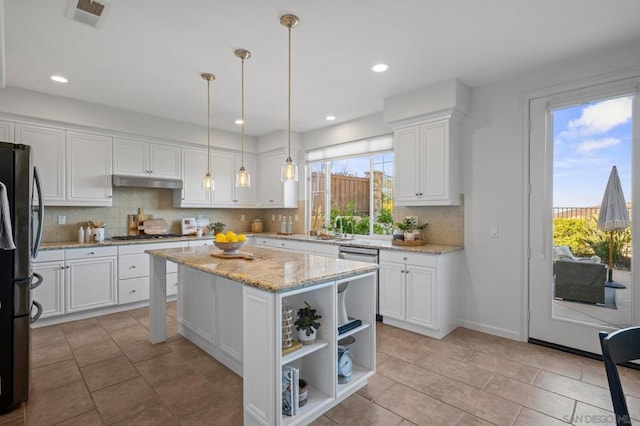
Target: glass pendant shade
{"x":243,"y":178}
{"x":207,"y":182}
{"x":289,"y":168}
{"x":289,"y":171}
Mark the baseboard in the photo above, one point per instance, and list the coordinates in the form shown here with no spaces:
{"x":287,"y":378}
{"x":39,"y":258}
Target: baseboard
{"x":489,"y":329}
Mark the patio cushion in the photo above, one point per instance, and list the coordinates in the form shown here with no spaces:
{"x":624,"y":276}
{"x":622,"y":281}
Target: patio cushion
{"x":580,"y":281}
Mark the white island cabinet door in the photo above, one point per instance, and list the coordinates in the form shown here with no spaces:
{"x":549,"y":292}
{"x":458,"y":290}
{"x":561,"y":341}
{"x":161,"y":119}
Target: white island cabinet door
{"x":89,"y":169}
{"x":421,"y":296}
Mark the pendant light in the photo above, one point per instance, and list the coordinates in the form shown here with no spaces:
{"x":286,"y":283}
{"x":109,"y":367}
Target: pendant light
{"x":243,"y":178}
{"x":289,"y":168}
{"x":207,"y":181}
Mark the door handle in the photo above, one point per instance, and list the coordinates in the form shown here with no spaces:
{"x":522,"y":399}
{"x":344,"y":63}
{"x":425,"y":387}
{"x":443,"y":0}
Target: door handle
{"x":36,"y":244}
{"x":38,"y":282}
{"x":35,"y":317}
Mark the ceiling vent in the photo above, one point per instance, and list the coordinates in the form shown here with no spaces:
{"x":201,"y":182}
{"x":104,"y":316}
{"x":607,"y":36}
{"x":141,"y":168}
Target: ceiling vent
{"x":87,"y":12}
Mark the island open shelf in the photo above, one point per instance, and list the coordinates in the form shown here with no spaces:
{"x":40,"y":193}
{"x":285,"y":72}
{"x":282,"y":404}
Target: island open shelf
{"x":232,"y":309}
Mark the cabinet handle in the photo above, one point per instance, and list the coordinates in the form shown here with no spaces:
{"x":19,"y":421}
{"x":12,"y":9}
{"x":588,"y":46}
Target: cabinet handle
{"x":132,"y":291}
{"x":62,"y":267}
{"x":91,"y":253}
{"x":421,"y":193}
{"x":132,"y":267}
{"x":67,"y":267}
{"x":271,"y":201}
{"x":175,"y":285}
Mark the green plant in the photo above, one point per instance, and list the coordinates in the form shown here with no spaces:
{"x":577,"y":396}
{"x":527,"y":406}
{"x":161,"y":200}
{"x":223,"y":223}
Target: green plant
{"x":409,"y":223}
{"x":217,"y":227}
{"x":307,"y":319}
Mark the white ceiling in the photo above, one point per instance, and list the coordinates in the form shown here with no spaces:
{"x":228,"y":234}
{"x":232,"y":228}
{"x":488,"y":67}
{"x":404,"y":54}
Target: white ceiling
{"x":148,"y":54}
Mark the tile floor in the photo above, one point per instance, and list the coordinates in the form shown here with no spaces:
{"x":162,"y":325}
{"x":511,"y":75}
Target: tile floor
{"x":104,"y":371}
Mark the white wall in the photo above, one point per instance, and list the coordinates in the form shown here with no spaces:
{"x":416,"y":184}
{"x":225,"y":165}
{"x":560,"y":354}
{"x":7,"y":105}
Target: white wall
{"x":494,"y":146}
{"x":360,"y":128}
{"x":22,"y":103}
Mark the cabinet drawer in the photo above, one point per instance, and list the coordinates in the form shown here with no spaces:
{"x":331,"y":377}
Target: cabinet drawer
{"x":327,"y":249}
{"x":266,"y":242}
{"x":140,"y":248}
{"x":133,"y":265}
{"x":50,"y":256}
{"x":89,"y":252}
{"x":284,"y":244}
{"x":305,"y":246}
{"x":133,"y":290}
{"x":408,"y":258}
{"x":172,"y":267}
{"x":199,"y":243}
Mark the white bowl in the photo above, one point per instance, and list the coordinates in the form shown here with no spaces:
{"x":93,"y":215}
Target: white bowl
{"x":229,"y":248}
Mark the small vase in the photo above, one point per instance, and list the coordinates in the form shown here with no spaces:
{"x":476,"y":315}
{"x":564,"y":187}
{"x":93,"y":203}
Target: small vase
{"x":307,"y":340}
{"x":408,"y":236}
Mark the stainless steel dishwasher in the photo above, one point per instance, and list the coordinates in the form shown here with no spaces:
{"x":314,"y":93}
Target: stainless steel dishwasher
{"x":368,"y":255}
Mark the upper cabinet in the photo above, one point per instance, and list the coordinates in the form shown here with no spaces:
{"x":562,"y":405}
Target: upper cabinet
{"x":75,"y":168}
{"x":138,"y":158}
{"x":272,"y":191}
{"x":427,"y":164}
{"x":6,"y":131}
{"x":223,"y":169}
{"x":48,"y":150}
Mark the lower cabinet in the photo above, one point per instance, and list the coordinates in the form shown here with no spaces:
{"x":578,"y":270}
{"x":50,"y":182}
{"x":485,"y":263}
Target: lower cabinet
{"x":133,"y":271}
{"x":416,"y":291}
{"x":89,"y":278}
{"x":50,"y":294}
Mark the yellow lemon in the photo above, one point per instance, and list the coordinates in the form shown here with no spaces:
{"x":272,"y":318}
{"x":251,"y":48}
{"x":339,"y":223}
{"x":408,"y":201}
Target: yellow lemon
{"x":233,"y":239}
{"x":230,"y":235}
{"x":241,"y":237}
{"x":221,"y":238}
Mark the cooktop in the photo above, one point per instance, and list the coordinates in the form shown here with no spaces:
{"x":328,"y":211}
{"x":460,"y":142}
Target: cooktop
{"x":144,"y":237}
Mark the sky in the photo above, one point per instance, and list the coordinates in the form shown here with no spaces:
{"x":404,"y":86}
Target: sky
{"x":588,"y":140}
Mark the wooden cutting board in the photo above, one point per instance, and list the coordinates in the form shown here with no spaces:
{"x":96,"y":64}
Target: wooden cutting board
{"x":248,"y":256}
{"x":155,"y":226}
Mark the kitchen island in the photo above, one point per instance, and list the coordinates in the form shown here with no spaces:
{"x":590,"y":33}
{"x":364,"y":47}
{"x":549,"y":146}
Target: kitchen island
{"x":231,"y":308}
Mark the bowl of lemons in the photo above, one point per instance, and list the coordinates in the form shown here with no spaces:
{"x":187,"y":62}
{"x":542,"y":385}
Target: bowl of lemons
{"x":229,"y":242}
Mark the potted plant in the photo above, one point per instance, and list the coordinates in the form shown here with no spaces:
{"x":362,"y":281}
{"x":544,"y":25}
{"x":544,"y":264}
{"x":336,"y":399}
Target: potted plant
{"x":408,"y":226}
{"x":307,"y":324}
{"x":217,"y":227}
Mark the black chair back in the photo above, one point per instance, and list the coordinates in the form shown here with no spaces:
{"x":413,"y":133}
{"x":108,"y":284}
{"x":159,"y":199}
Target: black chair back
{"x":617,"y":348}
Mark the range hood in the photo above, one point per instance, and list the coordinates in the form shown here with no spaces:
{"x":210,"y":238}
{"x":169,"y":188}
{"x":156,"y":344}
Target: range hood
{"x":146,"y":182}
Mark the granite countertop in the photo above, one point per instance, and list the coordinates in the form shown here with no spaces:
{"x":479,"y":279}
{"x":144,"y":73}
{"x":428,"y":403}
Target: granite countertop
{"x":271,"y":270}
{"x":364,"y":241}
{"x":108,"y":242}
{"x":367,"y":242}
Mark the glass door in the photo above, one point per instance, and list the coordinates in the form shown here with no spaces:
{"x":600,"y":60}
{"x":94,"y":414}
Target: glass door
{"x":575,"y":140}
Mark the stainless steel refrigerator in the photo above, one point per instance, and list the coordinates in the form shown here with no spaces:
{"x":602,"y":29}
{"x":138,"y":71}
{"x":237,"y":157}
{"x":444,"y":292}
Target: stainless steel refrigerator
{"x":21,"y":209}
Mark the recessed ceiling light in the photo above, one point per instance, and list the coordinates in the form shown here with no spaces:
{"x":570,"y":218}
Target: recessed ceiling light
{"x":330,"y":117}
{"x":59,"y":79}
{"x":239,"y":121}
{"x":379,"y":67}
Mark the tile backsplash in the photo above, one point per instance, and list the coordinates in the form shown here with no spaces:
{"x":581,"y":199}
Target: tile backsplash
{"x":446,"y":224}
{"x":156,"y":202}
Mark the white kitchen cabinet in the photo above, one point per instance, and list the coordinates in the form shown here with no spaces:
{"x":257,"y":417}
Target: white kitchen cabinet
{"x":223,"y":169}
{"x":194,"y":167}
{"x":75,"y":168}
{"x":89,"y":174}
{"x":133,"y":271}
{"x":49,"y":151}
{"x":272,"y":191}
{"x":91,"y":278}
{"x":139,"y":158}
{"x":417,"y":291}
{"x":407,"y":288}
{"x":6,"y":131}
{"x":50,"y":293}
{"x":427,"y":164}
